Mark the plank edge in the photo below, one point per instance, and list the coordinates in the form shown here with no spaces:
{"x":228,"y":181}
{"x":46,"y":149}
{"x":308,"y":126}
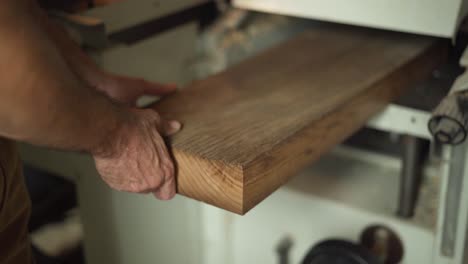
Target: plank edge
{"x":409,"y":74}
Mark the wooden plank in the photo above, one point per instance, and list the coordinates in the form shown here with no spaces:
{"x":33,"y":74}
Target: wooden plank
{"x":249,"y":129}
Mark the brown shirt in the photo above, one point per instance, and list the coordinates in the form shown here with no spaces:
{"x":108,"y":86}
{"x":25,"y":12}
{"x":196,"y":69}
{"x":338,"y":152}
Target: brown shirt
{"x":14,"y":208}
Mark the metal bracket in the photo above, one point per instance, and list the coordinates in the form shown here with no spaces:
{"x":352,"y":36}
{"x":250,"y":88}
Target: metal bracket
{"x":402,"y":120}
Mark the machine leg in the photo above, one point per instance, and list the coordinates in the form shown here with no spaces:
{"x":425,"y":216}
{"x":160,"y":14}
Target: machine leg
{"x":410,"y":175}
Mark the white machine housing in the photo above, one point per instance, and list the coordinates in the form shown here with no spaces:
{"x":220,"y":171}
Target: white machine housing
{"x":123,"y":228}
{"x":429,"y":17}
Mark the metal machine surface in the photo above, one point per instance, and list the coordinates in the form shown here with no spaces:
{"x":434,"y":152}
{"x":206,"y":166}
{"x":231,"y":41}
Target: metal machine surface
{"x":431,"y":17}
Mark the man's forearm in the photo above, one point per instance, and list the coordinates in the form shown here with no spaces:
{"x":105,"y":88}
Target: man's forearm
{"x":82,"y":64}
{"x":45,"y":102}
{"x":41,"y":100}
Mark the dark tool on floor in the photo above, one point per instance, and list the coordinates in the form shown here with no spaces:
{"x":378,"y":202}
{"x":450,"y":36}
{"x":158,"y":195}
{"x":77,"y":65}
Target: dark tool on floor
{"x":283,"y":249}
{"x":378,"y":245}
{"x":340,"y":252}
{"x":384,"y":243}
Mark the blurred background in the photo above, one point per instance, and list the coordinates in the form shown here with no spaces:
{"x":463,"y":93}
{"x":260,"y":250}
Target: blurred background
{"x":367,"y":209}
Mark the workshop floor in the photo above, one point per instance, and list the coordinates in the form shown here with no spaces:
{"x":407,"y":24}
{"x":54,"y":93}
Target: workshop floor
{"x":55,"y":224}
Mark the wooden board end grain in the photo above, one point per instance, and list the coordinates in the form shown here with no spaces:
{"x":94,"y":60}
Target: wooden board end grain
{"x":249,"y":129}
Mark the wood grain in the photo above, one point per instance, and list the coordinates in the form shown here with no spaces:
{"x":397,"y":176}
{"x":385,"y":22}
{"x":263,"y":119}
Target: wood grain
{"x":249,"y":129}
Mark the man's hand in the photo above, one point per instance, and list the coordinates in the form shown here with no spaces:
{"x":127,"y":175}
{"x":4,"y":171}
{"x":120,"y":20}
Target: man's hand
{"x":136,"y":158}
{"x":121,"y":89}
{"x":48,"y":98}
{"x":127,"y":90}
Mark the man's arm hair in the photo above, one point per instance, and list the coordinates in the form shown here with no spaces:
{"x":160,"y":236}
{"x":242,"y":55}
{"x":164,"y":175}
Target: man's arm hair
{"x":41,"y":99}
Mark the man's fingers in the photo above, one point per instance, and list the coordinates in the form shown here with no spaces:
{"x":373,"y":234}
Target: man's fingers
{"x":171,"y":127}
{"x":167,"y":190}
{"x":150,"y":88}
{"x":127,"y":90}
{"x":166,"y":127}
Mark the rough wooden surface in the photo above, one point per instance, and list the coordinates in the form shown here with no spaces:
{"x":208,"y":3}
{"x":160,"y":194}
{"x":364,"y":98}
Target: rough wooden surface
{"x":249,"y":129}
